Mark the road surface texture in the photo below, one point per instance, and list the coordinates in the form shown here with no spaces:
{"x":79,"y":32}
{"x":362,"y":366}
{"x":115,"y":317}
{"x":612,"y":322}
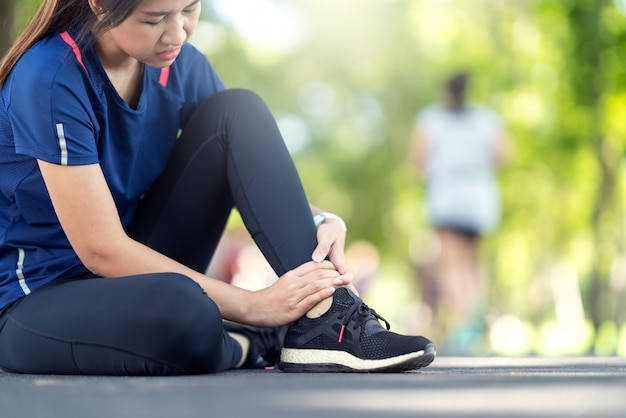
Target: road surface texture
{"x":451,"y":387}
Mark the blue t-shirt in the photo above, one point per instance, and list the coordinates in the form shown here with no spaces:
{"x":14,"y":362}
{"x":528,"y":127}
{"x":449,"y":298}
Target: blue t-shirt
{"x":59,"y":106}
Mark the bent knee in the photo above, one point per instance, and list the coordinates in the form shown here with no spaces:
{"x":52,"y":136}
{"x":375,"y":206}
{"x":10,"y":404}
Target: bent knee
{"x":183,"y":326}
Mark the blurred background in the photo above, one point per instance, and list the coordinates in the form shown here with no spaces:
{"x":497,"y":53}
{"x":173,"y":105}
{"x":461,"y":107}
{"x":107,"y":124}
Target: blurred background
{"x":345,"y":79}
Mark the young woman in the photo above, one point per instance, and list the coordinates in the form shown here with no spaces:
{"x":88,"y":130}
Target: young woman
{"x":459,"y":146}
{"x":121,"y":157}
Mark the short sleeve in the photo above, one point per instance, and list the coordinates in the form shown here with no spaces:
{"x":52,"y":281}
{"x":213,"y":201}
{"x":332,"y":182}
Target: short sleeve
{"x":52,"y":114}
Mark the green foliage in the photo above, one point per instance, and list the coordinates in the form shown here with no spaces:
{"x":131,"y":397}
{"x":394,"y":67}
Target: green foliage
{"x":554,"y":69}
{"x":359,"y":70}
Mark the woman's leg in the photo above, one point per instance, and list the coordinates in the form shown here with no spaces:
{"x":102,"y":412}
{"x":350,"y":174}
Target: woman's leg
{"x":230,"y":154}
{"x":459,"y":280}
{"x":157,"y":324}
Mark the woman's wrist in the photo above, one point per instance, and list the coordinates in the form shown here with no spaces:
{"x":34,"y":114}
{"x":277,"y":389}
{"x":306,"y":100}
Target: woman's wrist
{"x":320,"y":218}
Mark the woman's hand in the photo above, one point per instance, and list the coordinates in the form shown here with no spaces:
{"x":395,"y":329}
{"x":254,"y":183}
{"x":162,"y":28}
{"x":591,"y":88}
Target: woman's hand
{"x":295,"y":293}
{"x":299,"y":290}
{"x":331,"y":238}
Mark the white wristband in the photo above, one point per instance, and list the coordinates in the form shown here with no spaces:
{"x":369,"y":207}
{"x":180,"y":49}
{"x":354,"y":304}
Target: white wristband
{"x":321,"y":217}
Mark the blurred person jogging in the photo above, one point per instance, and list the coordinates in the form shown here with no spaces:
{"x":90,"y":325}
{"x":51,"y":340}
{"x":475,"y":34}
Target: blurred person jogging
{"x":121,"y":158}
{"x":459,"y":145}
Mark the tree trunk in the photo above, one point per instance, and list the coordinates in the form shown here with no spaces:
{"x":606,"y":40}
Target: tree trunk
{"x":590,"y":83}
{"x":7,"y":17}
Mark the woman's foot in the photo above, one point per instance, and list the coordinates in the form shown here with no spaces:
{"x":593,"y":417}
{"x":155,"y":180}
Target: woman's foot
{"x":350,"y":338}
{"x":263,"y":350}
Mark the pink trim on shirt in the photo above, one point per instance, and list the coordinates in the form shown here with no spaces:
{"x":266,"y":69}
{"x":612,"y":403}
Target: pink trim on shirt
{"x":68,"y":40}
{"x":165,"y":75}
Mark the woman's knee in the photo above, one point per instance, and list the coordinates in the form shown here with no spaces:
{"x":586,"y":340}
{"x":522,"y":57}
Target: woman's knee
{"x":237,"y":98}
{"x":184,"y":324}
{"x":232,"y":106}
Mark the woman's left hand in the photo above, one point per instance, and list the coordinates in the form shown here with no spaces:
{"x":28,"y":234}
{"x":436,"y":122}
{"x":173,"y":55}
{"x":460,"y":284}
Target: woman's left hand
{"x":331,"y":238}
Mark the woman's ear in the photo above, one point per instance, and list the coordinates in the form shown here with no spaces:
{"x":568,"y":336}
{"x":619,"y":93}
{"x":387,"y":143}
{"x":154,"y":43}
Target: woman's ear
{"x":96,"y":7}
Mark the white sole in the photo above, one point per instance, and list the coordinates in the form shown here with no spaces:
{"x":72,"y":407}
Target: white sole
{"x":332,"y":360}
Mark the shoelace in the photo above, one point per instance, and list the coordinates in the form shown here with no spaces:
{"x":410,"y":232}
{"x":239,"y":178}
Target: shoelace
{"x":360,"y":313}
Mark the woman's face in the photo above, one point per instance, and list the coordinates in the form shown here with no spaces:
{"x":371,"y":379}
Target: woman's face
{"x":154,"y":33}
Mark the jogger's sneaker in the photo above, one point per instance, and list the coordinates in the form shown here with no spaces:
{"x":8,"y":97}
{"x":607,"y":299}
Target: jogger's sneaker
{"x":265,"y":344}
{"x":349,"y":338}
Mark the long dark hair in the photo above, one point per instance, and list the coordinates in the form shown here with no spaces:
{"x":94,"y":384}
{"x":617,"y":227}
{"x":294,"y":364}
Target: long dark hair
{"x":56,"y":16}
{"x":456,"y":87}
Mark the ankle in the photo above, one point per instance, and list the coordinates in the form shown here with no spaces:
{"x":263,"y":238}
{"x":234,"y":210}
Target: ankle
{"x":320,"y":309}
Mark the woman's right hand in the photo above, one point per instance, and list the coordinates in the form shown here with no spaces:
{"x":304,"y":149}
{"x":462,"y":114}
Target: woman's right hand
{"x":295,"y":293}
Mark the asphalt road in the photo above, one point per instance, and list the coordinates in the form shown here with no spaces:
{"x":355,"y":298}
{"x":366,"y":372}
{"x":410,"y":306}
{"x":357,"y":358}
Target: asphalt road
{"x":450,"y":387}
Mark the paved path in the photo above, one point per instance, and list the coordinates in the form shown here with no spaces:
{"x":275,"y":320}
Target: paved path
{"x":450,"y":387}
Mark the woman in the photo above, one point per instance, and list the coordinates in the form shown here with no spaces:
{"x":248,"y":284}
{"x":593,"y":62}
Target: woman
{"x":121,"y":157}
{"x":459,"y":145}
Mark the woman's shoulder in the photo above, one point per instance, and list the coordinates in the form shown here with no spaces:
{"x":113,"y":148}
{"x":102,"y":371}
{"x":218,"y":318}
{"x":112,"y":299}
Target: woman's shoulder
{"x":193,"y":71}
{"x":484,"y":112}
{"x":51,"y":51}
{"x":191,"y":63}
{"x":431,"y":112}
{"x":46,"y":60}
{"x":432,"y":108}
{"x":189,"y":54}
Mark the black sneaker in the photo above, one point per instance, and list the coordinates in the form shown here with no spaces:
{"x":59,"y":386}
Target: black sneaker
{"x":265,"y":344}
{"x":349,"y":338}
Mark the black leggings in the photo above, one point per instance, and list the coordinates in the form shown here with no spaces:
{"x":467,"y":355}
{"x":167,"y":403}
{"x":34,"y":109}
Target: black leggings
{"x":230,"y":154}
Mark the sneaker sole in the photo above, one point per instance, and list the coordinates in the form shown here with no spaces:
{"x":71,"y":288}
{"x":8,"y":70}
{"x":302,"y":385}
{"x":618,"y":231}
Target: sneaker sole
{"x":329,"y":361}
